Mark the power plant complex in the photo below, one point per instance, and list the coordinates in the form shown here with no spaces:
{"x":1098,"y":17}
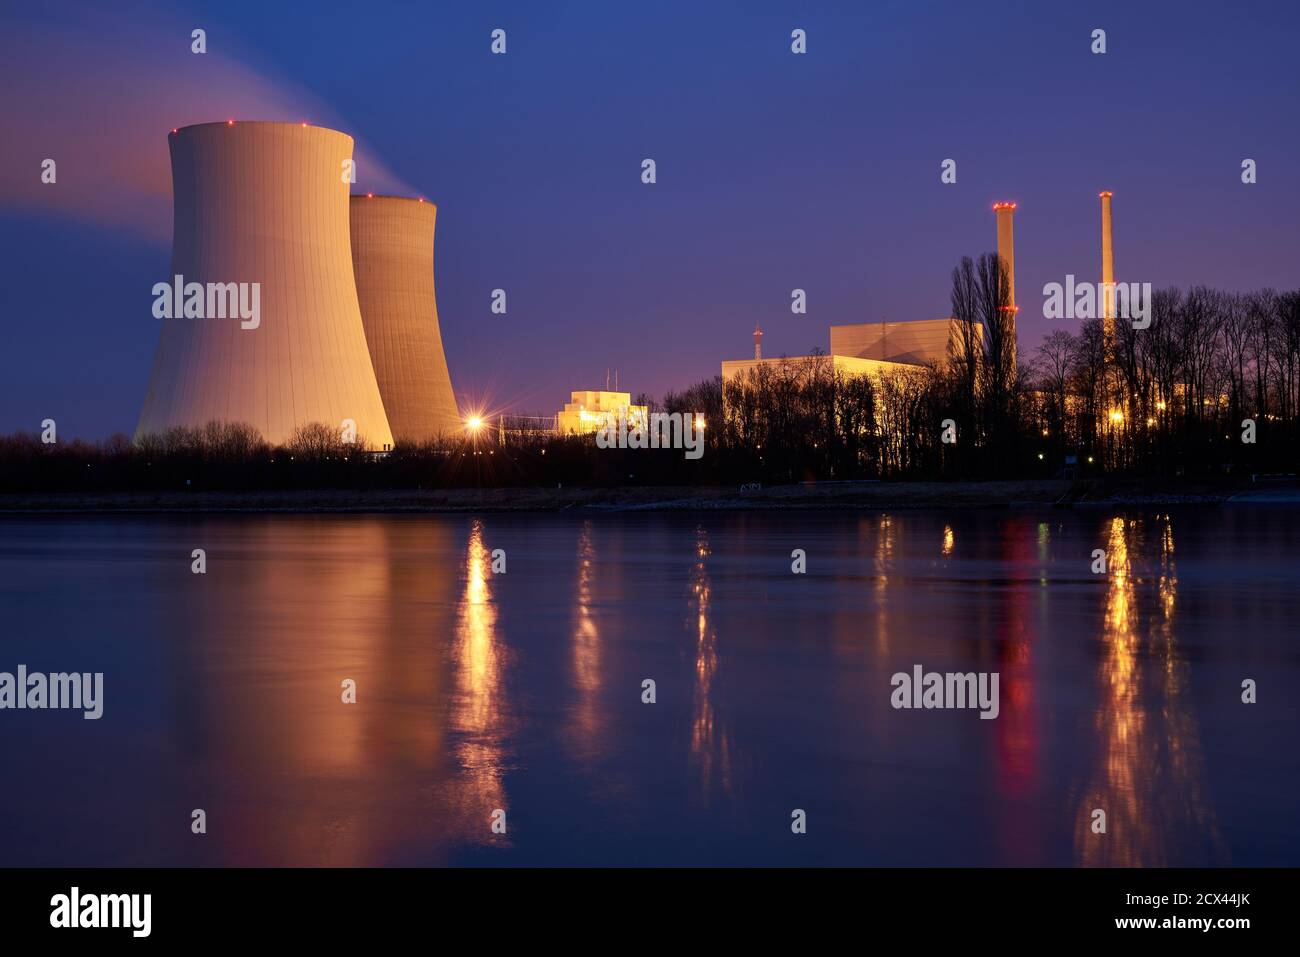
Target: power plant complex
{"x":344,"y":329}
{"x":294,"y":303}
{"x":869,"y":348}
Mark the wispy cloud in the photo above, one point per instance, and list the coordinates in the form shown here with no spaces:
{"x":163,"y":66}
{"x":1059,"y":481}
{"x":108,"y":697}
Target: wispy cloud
{"x":100,"y":97}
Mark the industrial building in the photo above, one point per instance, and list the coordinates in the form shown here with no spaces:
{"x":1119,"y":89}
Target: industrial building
{"x":740,"y":369}
{"x":265,"y":203}
{"x":392,"y":260}
{"x":873,"y":348}
{"x":847,"y":365}
{"x":918,"y":342}
{"x":587,"y":412}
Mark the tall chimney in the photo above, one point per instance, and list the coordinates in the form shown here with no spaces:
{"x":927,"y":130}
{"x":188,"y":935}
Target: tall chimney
{"x":1107,"y":269}
{"x":1007,"y":253}
{"x":1007,"y":244}
{"x":758,"y":342}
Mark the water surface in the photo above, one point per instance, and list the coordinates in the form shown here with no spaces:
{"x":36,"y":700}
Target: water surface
{"x":523,"y":691}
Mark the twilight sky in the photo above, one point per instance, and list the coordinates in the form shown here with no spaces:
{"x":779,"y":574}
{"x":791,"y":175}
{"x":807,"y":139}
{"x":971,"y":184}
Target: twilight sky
{"x":775,"y":171}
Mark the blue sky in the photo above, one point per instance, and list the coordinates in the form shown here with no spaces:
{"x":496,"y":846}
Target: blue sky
{"x":775,"y":171}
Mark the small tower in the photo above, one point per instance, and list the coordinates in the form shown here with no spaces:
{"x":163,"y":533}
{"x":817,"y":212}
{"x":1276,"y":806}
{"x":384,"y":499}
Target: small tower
{"x":758,"y":342}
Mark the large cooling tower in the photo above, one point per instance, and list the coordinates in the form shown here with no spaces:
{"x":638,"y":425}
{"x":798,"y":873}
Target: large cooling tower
{"x":265,"y":203}
{"x":392,"y":257}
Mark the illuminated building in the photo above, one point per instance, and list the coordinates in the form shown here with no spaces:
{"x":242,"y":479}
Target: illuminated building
{"x":588,"y":411}
{"x":918,"y":342}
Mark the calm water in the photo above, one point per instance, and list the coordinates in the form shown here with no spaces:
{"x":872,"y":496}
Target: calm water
{"x":522,"y":691}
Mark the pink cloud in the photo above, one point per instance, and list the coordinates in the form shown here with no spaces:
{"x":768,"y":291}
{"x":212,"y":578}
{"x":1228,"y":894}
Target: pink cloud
{"x":100,"y":100}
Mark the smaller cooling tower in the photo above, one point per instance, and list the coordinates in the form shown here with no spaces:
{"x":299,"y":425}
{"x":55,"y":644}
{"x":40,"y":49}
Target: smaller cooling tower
{"x":392,"y":259}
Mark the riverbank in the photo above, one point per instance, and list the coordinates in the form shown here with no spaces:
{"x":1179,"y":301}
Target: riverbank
{"x":819,"y":495}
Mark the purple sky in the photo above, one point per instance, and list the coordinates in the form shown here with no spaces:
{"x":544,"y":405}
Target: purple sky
{"x":775,"y":171}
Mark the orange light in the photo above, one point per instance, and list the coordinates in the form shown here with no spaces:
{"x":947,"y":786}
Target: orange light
{"x":230,"y":122}
{"x":370,"y":195}
{"x":1105,"y":194}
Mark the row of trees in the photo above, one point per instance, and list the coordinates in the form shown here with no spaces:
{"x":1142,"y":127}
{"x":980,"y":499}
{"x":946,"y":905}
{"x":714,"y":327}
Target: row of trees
{"x":233,"y":457}
{"x":1212,"y":368}
{"x":1175,"y":398}
{"x":1209,"y":387}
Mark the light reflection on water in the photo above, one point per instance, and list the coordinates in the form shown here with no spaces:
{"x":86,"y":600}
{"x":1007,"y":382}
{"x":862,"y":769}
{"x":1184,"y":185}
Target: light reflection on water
{"x":476,"y":715}
{"x":1149,"y":781}
{"x":479,"y":691}
{"x":710,"y":739}
{"x":587,"y":733}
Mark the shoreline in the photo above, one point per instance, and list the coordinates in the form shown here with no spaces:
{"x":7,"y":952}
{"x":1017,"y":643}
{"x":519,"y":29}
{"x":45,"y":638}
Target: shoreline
{"x":1045,"y":493}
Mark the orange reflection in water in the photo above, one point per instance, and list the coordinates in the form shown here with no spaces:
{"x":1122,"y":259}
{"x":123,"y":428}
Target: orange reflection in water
{"x":291,"y":773}
{"x":883,"y":559}
{"x":711,"y":744}
{"x":589,"y":726}
{"x":1149,"y":778}
{"x":476,"y":716}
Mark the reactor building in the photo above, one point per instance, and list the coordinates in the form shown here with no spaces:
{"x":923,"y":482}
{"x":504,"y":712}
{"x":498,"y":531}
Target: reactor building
{"x":876,"y":348}
{"x":392,"y":260}
{"x":265,"y":205}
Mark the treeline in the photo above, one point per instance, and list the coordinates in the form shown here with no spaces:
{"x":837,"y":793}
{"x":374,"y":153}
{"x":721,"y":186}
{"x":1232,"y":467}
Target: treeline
{"x":1212,"y":384}
{"x":233,"y":457}
{"x":1210,"y":388}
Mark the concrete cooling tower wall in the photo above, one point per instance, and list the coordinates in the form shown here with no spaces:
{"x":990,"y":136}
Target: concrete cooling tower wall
{"x":392,"y":258}
{"x":265,"y":203}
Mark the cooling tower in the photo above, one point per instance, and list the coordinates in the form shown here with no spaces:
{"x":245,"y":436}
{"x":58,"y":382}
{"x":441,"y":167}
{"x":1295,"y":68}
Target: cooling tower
{"x":392,"y":258}
{"x":1107,"y":269}
{"x":265,"y":203}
